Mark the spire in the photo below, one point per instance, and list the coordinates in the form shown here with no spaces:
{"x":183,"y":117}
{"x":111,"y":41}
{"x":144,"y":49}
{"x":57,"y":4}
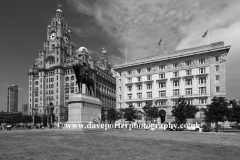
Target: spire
{"x":59,"y":6}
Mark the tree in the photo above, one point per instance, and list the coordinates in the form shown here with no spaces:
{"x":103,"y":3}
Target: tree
{"x":217,"y":111}
{"x":113,"y":115}
{"x":182,"y":111}
{"x":103,"y":115}
{"x":130,"y":113}
{"x":150,"y":112}
{"x":234,"y":114}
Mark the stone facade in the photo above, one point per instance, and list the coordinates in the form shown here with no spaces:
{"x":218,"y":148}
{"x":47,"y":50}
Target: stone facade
{"x":197,"y":74}
{"x":52,"y":79}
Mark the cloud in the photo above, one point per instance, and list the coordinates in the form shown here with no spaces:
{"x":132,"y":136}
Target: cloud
{"x":138,"y":24}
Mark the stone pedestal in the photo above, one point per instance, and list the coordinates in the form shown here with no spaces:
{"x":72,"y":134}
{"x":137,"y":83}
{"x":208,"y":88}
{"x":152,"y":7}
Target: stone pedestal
{"x":82,"y":109}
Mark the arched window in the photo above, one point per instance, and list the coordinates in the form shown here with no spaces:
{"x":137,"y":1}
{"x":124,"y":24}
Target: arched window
{"x":67,"y":79}
{"x":72,"y":78}
{"x":36,"y":83}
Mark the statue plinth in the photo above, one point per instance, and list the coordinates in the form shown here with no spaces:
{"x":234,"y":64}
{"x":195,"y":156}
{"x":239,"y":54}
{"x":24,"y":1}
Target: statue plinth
{"x":82,"y":109}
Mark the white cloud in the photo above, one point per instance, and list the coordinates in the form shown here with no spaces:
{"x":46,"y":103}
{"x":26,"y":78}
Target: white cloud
{"x":139,"y":24}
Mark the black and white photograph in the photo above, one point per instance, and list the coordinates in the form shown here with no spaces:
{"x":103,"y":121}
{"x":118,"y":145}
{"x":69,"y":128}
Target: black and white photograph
{"x":119,"y":79}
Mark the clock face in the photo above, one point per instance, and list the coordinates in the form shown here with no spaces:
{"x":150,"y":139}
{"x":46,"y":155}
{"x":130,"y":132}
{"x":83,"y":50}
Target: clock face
{"x":52,"y":36}
{"x":66,"y":39}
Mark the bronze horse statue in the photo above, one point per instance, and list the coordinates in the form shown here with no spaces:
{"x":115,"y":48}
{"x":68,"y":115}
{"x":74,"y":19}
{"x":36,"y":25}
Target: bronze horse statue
{"x":83,"y":77}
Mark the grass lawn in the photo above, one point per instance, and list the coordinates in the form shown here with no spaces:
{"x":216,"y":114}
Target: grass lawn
{"x":117,"y":144}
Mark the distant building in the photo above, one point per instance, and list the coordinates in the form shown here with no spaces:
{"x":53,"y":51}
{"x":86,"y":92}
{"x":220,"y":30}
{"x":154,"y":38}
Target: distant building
{"x":52,"y":80}
{"x":25,"y":109}
{"x":12,"y":102}
{"x":197,"y":74}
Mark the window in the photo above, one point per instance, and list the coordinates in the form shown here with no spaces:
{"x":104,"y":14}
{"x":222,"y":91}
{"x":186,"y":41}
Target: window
{"x":139,"y":71}
{"x":176,"y":92}
{"x":162,"y":85}
{"x":120,"y":97}
{"x":175,"y":74}
{"x":129,"y":80}
{"x":120,"y":80}
{"x":129,"y":96}
{"x":202,"y":80}
{"x":72,"y":90}
{"x":175,"y":65}
{"x":175,"y":102}
{"x":161,"y":103}
{"x":161,"y":76}
{"x":67,"y":79}
{"x":162,"y":93}
{"x":202,"y":101}
{"x":176,"y":83}
{"x":138,"y":79}
{"x":188,"y":91}
{"x":66,"y":97}
{"x":129,"y":72}
{"x":149,"y":78}
{"x":139,"y":95}
{"x":202,"y":90}
{"x":120,"y":88}
{"x":149,"y":86}
{"x":129,"y":88}
{"x":217,"y":89}
{"x":189,"y":101}
{"x":217,"y":78}
{"x":149,"y":94}
{"x":217,"y":68}
{"x":162,"y":67}
{"x":72,"y":78}
{"x":201,"y":70}
{"x":67,"y":84}
{"x":188,"y":63}
{"x":66,"y":90}
{"x":72,"y":83}
{"x":216,"y":58}
{"x":188,"y":72}
{"x":188,"y":82}
{"x":139,"y":104}
{"x":202,"y":61}
{"x":139,"y":87}
{"x":149,"y":69}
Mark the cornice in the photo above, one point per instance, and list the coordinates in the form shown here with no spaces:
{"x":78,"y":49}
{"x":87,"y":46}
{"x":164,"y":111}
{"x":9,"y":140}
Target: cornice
{"x":176,"y":54}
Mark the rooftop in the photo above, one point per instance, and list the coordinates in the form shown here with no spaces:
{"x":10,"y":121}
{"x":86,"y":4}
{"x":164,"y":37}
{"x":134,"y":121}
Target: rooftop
{"x":175,"y":54}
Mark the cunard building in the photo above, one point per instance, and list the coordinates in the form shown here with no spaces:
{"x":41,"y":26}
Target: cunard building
{"x":197,"y":74}
{"x":52,"y":80}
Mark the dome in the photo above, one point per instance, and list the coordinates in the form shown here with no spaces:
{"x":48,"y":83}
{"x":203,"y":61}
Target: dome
{"x":59,"y":10}
{"x":82,"y":49}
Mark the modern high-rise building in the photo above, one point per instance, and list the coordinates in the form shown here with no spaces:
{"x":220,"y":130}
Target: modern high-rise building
{"x":12,"y":102}
{"x":197,"y":74}
{"x":52,"y":80}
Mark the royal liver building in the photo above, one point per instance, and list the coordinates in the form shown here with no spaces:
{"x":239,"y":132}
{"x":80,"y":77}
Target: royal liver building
{"x":51,"y":77}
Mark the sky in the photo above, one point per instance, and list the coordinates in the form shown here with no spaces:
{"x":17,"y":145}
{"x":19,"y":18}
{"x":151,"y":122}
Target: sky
{"x":118,"y":25}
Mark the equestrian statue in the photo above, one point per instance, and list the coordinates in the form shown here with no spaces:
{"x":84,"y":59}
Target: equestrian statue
{"x":83,"y":77}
